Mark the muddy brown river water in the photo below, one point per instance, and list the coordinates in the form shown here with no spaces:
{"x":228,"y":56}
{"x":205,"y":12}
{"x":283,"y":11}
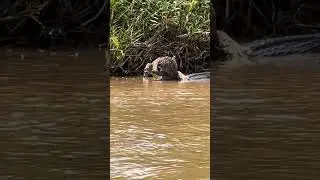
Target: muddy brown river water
{"x":160,"y":130}
{"x":264,"y":122}
{"x":52,"y":117}
{"x":265,"y":119}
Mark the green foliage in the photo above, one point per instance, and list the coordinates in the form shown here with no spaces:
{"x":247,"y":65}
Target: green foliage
{"x":136,"y":22}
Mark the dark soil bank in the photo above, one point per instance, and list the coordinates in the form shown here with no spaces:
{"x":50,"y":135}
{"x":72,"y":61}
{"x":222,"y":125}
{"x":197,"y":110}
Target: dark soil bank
{"x":51,"y":23}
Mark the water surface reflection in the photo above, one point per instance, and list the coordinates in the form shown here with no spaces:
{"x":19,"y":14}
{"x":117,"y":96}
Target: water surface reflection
{"x":265,"y":119}
{"x":159,"y":130}
{"x":52,"y":123}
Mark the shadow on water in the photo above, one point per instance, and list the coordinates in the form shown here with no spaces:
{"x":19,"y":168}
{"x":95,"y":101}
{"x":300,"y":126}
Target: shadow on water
{"x":265,"y":119}
{"x":159,"y":130}
{"x":52,"y":119}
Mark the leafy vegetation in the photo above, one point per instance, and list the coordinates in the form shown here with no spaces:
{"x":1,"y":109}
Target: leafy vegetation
{"x":142,"y":30}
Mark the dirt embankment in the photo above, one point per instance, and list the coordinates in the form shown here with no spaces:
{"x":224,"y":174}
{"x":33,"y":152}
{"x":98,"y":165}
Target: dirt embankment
{"x":54,"y":25}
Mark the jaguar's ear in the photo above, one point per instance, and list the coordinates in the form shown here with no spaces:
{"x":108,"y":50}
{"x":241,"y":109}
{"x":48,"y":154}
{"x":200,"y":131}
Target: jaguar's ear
{"x":159,"y":68}
{"x":148,"y":66}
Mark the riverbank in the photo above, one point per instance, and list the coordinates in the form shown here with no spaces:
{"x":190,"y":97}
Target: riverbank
{"x":26,"y":52}
{"x":53,"y":26}
{"x":142,"y":31}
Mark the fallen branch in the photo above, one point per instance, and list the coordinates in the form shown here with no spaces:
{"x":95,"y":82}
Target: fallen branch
{"x":308,"y":26}
{"x":17,"y":25}
{"x":97,"y":15}
{"x":36,"y":20}
{"x":8,"y":18}
{"x":44,"y":5}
